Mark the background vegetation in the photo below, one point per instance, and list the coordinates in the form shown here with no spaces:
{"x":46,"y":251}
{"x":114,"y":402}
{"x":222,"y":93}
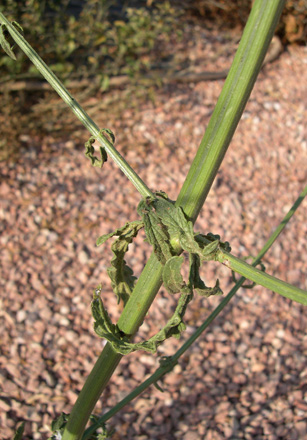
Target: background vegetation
{"x":86,"y":43}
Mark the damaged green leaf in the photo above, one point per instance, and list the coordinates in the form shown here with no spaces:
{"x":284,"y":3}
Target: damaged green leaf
{"x":121,"y":275}
{"x":172,"y":278}
{"x":58,"y":426}
{"x":174,"y":283}
{"x":161,"y":214}
{"x":164,"y":224}
{"x":90,"y":150}
{"x":120,"y":342}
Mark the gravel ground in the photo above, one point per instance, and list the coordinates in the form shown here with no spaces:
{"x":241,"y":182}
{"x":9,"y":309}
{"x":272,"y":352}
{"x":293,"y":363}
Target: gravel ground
{"x":246,"y":377}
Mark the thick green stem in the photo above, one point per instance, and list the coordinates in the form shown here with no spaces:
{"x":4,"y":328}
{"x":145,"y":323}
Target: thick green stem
{"x":246,"y":66}
{"x":107,"y":362}
{"x":76,"y":108}
{"x":231,"y":103}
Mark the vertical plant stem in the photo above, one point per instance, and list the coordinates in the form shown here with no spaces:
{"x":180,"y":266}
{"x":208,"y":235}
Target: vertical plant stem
{"x":231,"y":103}
{"x":247,"y":63}
{"x":107,"y":362}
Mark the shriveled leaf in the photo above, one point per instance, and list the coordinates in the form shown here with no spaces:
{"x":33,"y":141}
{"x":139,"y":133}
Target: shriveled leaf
{"x":90,"y":153}
{"x":103,"y":238}
{"x":157,"y":236}
{"x":172,"y":278}
{"x":174,"y":327}
{"x":213,"y":237}
{"x":163,"y":222}
{"x":171,"y":216}
{"x":178,"y":227}
{"x":122,"y":278}
{"x":105,"y":329}
{"x":209,"y":291}
{"x":103,"y":324}
{"x":209,"y":250}
{"x":128,"y":230}
{"x":109,"y":133}
{"x":198,"y":285}
{"x":90,"y":150}
{"x":121,"y":275}
{"x":58,"y":426}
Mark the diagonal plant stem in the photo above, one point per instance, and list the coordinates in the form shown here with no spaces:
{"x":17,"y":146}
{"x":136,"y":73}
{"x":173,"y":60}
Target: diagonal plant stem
{"x":76,"y":108}
{"x":172,"y":360}
{"x":238,"y":85}
{"x":257,"y":276}
{"x":262,"y":278}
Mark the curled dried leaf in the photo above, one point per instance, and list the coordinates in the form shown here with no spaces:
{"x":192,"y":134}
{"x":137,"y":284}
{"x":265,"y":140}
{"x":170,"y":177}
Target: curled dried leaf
{"x":172,"y":277}
{"x":90,"y":149}
{"x":120,"y":342}
{"x":164,"y":223}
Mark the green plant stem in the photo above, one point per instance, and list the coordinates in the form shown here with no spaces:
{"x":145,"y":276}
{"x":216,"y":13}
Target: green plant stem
{"x":258,"y":276}
{"x":262,"y":278}
{"x":246,"y":65}
{"x":76,"y":108}
{"x":161,"y":371}
{"x":107,"y":362}
{"x":231,"y":103}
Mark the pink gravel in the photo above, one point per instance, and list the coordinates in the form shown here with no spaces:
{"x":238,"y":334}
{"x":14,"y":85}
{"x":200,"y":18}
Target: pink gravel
{"x":246,"y":377}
